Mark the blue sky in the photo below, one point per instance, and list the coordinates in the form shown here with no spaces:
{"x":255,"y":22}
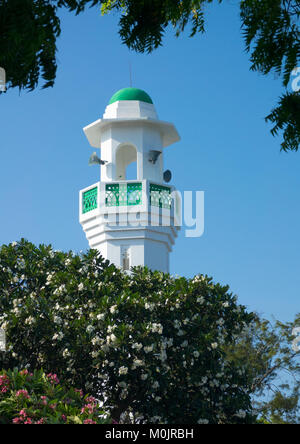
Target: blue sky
{"x":203,"y":85}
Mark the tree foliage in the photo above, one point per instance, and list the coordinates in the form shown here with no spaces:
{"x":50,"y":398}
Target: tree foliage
{"x":286,"y":117}
{"x":29,"y":30}
{"x":37,"y":398}
{"x":28,"y":33}
{"x":145,"y":344}
{"x":270,"y":354}
{"x":143,"y":23}
{"x":272,"y":36}
{"x":153,"y":348}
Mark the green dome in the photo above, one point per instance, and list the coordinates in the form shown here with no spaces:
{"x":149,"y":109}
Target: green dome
{"x":131,"y":94}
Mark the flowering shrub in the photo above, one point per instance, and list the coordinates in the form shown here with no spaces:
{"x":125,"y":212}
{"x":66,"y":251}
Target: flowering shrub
{"x":37,"y":398}
{"x":146,"y":344}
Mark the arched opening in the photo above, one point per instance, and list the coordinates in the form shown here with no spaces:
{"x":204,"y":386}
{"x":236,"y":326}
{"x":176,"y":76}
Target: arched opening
{"x":126,"y":162}
{"x":131,"y":171}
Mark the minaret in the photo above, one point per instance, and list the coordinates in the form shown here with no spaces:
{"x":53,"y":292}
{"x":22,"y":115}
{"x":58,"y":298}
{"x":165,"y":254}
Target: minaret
{"x":131,"y":222}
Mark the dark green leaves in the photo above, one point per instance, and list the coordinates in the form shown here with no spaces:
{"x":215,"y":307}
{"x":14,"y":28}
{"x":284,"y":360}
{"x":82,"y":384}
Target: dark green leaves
{"x":28,"y":32}
{"x":143,"y":25}
{"x":272,"y":36}
{"x":286,"y":117}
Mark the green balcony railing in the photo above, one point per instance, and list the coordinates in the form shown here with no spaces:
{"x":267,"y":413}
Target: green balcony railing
{"x":123,"y":194}
{"x":90,"y":200}
{"x":160,"y":196}
{"x":127,"y":194}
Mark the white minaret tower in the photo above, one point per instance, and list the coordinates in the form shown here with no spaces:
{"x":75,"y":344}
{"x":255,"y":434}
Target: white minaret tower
{"x":131,"y":222}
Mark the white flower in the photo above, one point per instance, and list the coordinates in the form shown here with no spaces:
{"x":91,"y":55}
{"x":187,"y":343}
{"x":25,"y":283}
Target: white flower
{"x":29,"y":320}
{"x":4,"y":326}
{"x":95,"y":354}
{"x":214,"y":345}
{"x":149,"y":348}
{"x":144,"y":376}
{"x":80,"y":287}
{"x":111,"y":328}
{"x":90,"y":329}
{"x":113,"y":309}
{"x":111,"y":338}
{"x":137,"y":363}
{"x":66,"y":353}
{"x":155,"y":385}
{"x":201,"y":300}
{"x":96,"y":340}
{"x":196,"y":354}
{"x":49,"y":278}
{"x":100,"y":316}
{"x":137,"y":346}
{"x":157,"y":328}
{"x":57,"y":320}
{"x":123,"y":370}
{"x":60,"y":290}
{"x":58,"y":336}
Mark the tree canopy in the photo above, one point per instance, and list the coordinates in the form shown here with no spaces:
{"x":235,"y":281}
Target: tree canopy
{"x":38,"y":398}
{"x":29,"y":30}
{"x":153,"y":348}
{"x":266,"y":349}
{"x":145,"y":344}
